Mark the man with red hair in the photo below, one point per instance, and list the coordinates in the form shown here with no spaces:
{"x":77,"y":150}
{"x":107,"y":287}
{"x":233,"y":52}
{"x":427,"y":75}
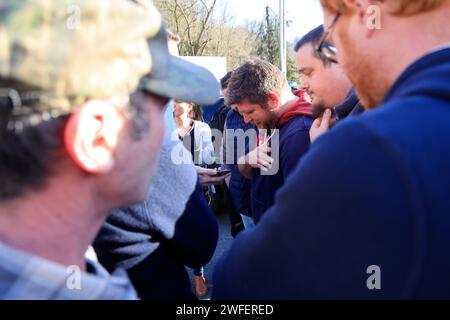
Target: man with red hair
{"x":366,"y":213}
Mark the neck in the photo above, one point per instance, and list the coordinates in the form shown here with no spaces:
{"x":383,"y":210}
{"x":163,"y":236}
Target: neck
{"x":58,"y":223}
{"x":287,"y":100}
{"x":183,"y":121}
{"x":416,"y":42}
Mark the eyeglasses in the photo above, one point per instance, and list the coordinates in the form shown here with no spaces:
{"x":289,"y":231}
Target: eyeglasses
{"x":327,"y":50}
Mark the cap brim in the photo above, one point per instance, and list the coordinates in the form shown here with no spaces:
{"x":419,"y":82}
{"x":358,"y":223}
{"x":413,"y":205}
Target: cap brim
{"x":176,"y":78}
{"x":185,"y":81}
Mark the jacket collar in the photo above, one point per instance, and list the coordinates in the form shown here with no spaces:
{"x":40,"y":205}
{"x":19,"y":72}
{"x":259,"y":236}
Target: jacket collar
{"x":425,"y":64}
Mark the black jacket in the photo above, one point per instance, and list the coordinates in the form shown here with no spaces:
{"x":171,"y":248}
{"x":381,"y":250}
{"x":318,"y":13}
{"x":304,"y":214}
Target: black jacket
{"x":139,"y":242}
{"x":350,"y":107}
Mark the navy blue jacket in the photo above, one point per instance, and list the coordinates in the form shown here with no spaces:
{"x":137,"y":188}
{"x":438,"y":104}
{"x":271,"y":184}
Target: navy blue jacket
{"x":375,"y":191}
{"x":350,"y":107}
{"x":239,"y":185}
{"x":294,"y":142}
{"x":219,"y":117}
{"x":138,"y":241}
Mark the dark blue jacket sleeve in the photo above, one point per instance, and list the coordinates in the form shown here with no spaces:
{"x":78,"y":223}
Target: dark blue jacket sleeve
{"x":196,"y":233}
{"x":293,"y":148}
{"x":324,"y":231}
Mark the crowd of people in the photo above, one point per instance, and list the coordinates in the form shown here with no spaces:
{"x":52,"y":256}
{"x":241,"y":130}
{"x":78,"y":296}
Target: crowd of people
{"x":110,"y":176}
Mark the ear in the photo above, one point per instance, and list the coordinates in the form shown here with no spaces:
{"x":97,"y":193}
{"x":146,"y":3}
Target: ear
{"x":91,"y":136}
{"x":274,"y":101}
{"x":369,"y":14}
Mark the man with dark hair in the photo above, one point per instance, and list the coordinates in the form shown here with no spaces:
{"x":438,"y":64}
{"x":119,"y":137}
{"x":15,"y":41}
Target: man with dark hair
{"x":366,"y":213}
{"x":261,"y":94}
{"x":325,"y":82}
{"x":217,"y":121}
{"x":313,"y":37}
{"x":221,"y":200}
{"x":235,"y":145}
{"x":225,"y":81}
{"x":80,"y":135}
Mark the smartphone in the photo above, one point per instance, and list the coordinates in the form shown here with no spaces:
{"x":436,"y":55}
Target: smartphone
{"x":222,"y":172}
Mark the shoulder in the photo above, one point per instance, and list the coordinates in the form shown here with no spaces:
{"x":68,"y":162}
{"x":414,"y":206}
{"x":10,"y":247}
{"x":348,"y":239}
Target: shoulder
{"x":231,"y":114}
{"x":357,"y":164}
{"x":297,"y":128}
{"x":202,"y":126}
{"x":301,"y":123}
{"x":355,"y":144}
{"x":349,"y":132}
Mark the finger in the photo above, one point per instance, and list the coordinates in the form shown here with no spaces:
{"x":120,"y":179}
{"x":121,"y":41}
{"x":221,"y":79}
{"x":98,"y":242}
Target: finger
{"x":223,"y":178}
{"x":209,"y":172}
{"x":217,"y":180}
{"x":209,"y":180}
{"x":263,"y":163}
{"x":201,"y":170}
{"x":266,"y":164}
{"x":264,"y":151}
{"x":316,"y":123}
{"x":333,"y":122}
{"x":262,"y":155}
{"x":326,"y":120}
{"x":267,"y":158}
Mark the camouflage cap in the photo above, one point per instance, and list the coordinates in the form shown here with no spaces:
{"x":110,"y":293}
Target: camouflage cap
{"x":177,"y":78}
{"x":55,"y":55}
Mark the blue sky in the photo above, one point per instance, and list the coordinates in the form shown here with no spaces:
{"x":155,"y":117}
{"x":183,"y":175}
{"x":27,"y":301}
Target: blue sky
{"x":305,"y":14}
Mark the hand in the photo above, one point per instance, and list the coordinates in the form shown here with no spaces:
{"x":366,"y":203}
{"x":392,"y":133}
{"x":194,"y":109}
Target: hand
{"x":321,"y":126}
{"x":259,"y":158}
{"x":207,"y":176}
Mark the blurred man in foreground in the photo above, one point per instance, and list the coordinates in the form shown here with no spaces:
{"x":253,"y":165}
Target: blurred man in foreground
{"x":80,"y":135}
{"x":365,"y":214}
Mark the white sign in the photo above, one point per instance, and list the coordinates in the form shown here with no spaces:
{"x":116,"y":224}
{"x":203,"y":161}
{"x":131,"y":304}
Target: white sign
{"x":217,"y":65}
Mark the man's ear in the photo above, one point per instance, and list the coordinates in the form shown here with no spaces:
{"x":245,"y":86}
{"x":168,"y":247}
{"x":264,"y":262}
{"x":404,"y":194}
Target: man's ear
{"x":274,"y":101}
{"x":369,"y":13}
{"x":91,"y":136}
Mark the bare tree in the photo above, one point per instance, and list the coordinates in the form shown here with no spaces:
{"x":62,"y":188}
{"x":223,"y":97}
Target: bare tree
{"x":192,"y":20}
{"x":206,"y":30}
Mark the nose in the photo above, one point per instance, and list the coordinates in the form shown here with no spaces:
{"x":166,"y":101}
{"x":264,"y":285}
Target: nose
{"x":304,"y":85}
{"x":247,"y":119}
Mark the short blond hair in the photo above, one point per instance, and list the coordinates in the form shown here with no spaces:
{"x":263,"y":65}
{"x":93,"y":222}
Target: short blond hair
{"x":397,"y":7}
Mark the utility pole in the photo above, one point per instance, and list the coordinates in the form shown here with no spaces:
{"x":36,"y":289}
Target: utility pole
{"x":283,"y":36}
{"x":269,"y":37}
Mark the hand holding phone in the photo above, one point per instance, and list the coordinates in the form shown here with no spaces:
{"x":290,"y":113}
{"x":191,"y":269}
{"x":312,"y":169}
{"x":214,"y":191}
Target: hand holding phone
{"x":222,"y":172}
{"x":209,"y":177}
